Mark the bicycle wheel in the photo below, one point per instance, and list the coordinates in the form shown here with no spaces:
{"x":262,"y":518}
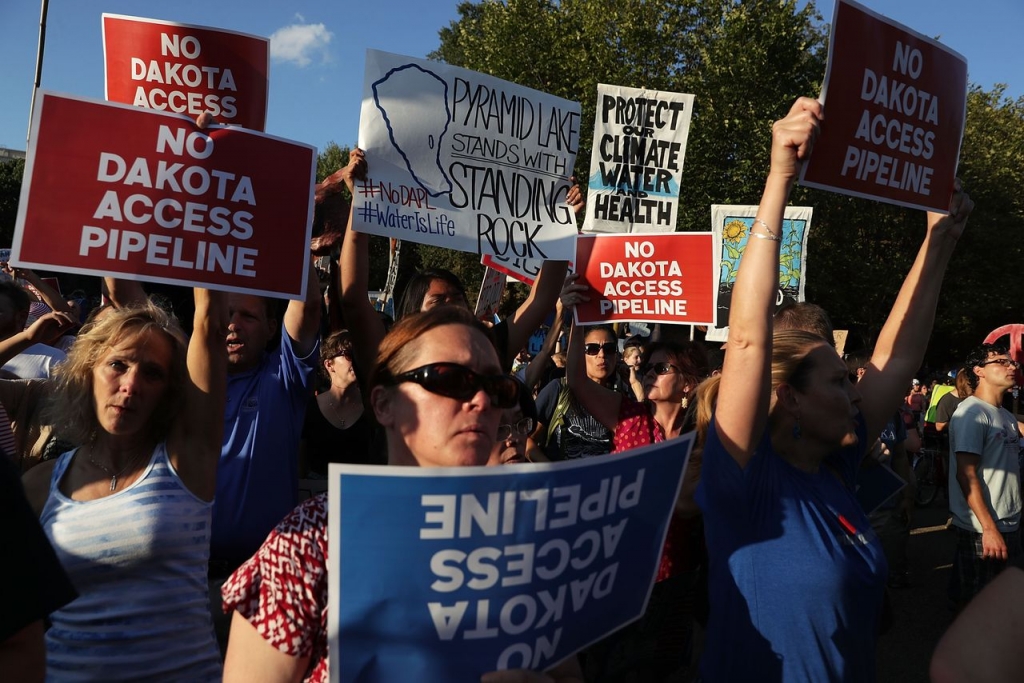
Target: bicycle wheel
{"x":927,"y":486}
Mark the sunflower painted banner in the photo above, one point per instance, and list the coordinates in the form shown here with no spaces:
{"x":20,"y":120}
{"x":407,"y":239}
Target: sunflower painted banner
{"x":731,"y":227}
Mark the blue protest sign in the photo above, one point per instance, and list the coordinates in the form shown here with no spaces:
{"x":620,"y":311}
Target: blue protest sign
{"x":443,"y":574}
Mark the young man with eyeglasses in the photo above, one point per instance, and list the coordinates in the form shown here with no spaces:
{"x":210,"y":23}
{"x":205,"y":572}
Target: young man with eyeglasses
{"x":984,"y":487}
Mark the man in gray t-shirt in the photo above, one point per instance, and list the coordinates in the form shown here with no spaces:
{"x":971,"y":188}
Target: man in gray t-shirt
{"x":984,"y":487}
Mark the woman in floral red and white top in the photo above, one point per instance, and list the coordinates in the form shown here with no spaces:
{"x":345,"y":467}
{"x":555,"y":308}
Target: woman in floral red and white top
{"x":437,"y":391}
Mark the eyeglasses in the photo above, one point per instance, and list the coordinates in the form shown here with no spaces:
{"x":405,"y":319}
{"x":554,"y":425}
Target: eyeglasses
{"x":523,"y":428}
{"x":344,"y":353}
{"x":609,"y":348}
{"x":459,"y":382}
{"x":659,"y":368}
{"x":1005,"y":362}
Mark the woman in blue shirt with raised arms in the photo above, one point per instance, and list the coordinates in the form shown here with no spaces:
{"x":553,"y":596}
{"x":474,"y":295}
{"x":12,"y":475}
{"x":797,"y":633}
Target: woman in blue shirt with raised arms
{"x":796,"y":574}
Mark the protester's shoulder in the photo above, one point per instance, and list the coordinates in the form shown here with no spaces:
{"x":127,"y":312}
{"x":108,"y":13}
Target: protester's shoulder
{"x":309,"y":515}
{"x":547,"y":398}
{"x":972,"y":407}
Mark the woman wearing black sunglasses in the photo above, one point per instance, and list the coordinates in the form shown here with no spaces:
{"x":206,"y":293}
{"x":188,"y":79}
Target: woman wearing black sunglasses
{"x":437,"y":391}
{"x":657,"y":646}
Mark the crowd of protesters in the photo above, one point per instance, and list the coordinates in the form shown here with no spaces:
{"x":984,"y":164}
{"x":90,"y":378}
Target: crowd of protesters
{"x":164,"y":469}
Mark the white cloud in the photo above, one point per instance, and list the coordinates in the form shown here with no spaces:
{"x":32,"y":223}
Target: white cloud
{"x":300,"y":43}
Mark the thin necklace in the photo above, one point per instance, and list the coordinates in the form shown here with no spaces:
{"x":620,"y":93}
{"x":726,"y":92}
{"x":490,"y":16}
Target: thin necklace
{"x":334,"y":409}
{"x":113,"y":475}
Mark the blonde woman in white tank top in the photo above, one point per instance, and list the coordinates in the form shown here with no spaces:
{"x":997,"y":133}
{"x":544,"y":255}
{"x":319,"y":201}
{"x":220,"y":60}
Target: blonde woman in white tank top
{"x":129,"y":510}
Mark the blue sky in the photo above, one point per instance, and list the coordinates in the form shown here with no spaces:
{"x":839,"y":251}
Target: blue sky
{"x":318,"y":49}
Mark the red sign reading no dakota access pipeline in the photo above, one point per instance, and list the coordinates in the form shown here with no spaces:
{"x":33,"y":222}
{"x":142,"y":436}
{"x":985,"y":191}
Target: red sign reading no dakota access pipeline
{"x":894,"y":113}
{"x":662,"y":277}
{"x":111,"y":189}
{"x":187,"y":69}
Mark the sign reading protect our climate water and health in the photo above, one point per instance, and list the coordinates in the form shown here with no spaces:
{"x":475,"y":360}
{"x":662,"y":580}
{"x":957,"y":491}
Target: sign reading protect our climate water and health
{"x":187,"y":69}
{"x":463,"y":160}
{"x":439,"y":575}
{"x":637,"y":160}
{"x":895,"y":107}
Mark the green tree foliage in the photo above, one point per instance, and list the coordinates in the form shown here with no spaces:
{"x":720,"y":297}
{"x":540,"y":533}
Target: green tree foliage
{"x":746,"y":61}
{"x":11,"y":173}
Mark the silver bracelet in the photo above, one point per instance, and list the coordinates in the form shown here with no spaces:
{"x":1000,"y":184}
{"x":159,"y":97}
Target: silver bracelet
{"x":770,"y":236}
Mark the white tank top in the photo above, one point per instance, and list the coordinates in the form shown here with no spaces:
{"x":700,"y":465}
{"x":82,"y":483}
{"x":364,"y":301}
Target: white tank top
{"x":138,"y":559}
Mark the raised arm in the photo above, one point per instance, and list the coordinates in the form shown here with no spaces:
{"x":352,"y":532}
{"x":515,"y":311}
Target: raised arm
{"x":599,"y":401}
{"x":45,"y":330}
{"x":904,"y":337}
{"x":195,"y":440}
{"x":531,"y":313}
{"x":743,"y":400}
{"x":124,"y":292}
{"x":360,"y":317}
{"x":535,"y":370}
{"x":51,"y":297}
{"x":544,"y":293}
{"x":302,"y":316}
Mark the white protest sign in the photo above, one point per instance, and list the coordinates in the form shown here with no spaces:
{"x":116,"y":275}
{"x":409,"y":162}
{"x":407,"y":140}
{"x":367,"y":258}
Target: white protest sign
{"x":491,"y":289}
{"x":466,"y":161}
{"x":637,"y":160}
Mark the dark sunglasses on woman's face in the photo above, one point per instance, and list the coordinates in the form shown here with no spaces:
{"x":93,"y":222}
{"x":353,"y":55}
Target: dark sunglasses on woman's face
{"x":344,"y":353}
{"x":459,"y":382}
{"x":593,"y":348}
{"x":659,"y":368}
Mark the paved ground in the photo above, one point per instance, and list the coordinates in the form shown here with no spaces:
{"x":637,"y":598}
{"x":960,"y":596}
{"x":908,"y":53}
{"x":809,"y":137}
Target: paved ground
{"x":920,"y":611}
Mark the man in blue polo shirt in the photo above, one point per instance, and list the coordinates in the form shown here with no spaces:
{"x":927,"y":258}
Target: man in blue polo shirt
{"x":268,"y":389}
{"x":257,"y":476}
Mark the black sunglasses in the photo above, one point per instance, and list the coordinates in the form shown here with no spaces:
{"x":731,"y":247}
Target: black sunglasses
{"x":659,"y":368}
{"x":593,"y":348}
{"x":459,"y":382}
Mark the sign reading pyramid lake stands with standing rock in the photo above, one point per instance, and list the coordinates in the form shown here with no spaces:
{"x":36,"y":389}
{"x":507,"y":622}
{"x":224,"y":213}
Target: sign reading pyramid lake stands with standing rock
{"x":466,"y":161}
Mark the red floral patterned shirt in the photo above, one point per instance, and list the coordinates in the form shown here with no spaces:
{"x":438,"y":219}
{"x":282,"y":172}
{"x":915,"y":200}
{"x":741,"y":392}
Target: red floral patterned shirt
{"x":637,"y":427}
{"x":282,"y":589}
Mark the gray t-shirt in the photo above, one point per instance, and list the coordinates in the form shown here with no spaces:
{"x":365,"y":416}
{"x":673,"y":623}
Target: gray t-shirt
{"x":990,"y":432}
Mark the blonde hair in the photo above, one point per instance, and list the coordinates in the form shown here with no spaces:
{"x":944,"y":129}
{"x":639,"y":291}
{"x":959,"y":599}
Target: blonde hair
{"x":790,"y":365}
{"x":72,"y":409}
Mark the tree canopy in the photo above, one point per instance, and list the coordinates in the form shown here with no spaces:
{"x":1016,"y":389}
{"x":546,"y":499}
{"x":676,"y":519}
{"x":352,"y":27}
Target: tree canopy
{"x":746,"y":61}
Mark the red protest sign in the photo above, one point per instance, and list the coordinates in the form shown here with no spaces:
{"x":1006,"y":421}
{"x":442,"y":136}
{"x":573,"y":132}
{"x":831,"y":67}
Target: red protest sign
{"x":146,"y":195}
{"x":187,"y":69}
{"x":666,"y":277}
{"x":894,"y":114}
{"x":523,"y":269}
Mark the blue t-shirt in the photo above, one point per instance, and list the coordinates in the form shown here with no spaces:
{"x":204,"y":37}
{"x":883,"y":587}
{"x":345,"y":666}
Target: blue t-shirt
{"x":258,"y":471}
{"x":796,"y":573}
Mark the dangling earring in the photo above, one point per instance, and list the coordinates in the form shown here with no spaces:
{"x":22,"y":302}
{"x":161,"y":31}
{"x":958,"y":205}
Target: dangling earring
{"x":796,"y":430}
{"x":684,"y":403}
